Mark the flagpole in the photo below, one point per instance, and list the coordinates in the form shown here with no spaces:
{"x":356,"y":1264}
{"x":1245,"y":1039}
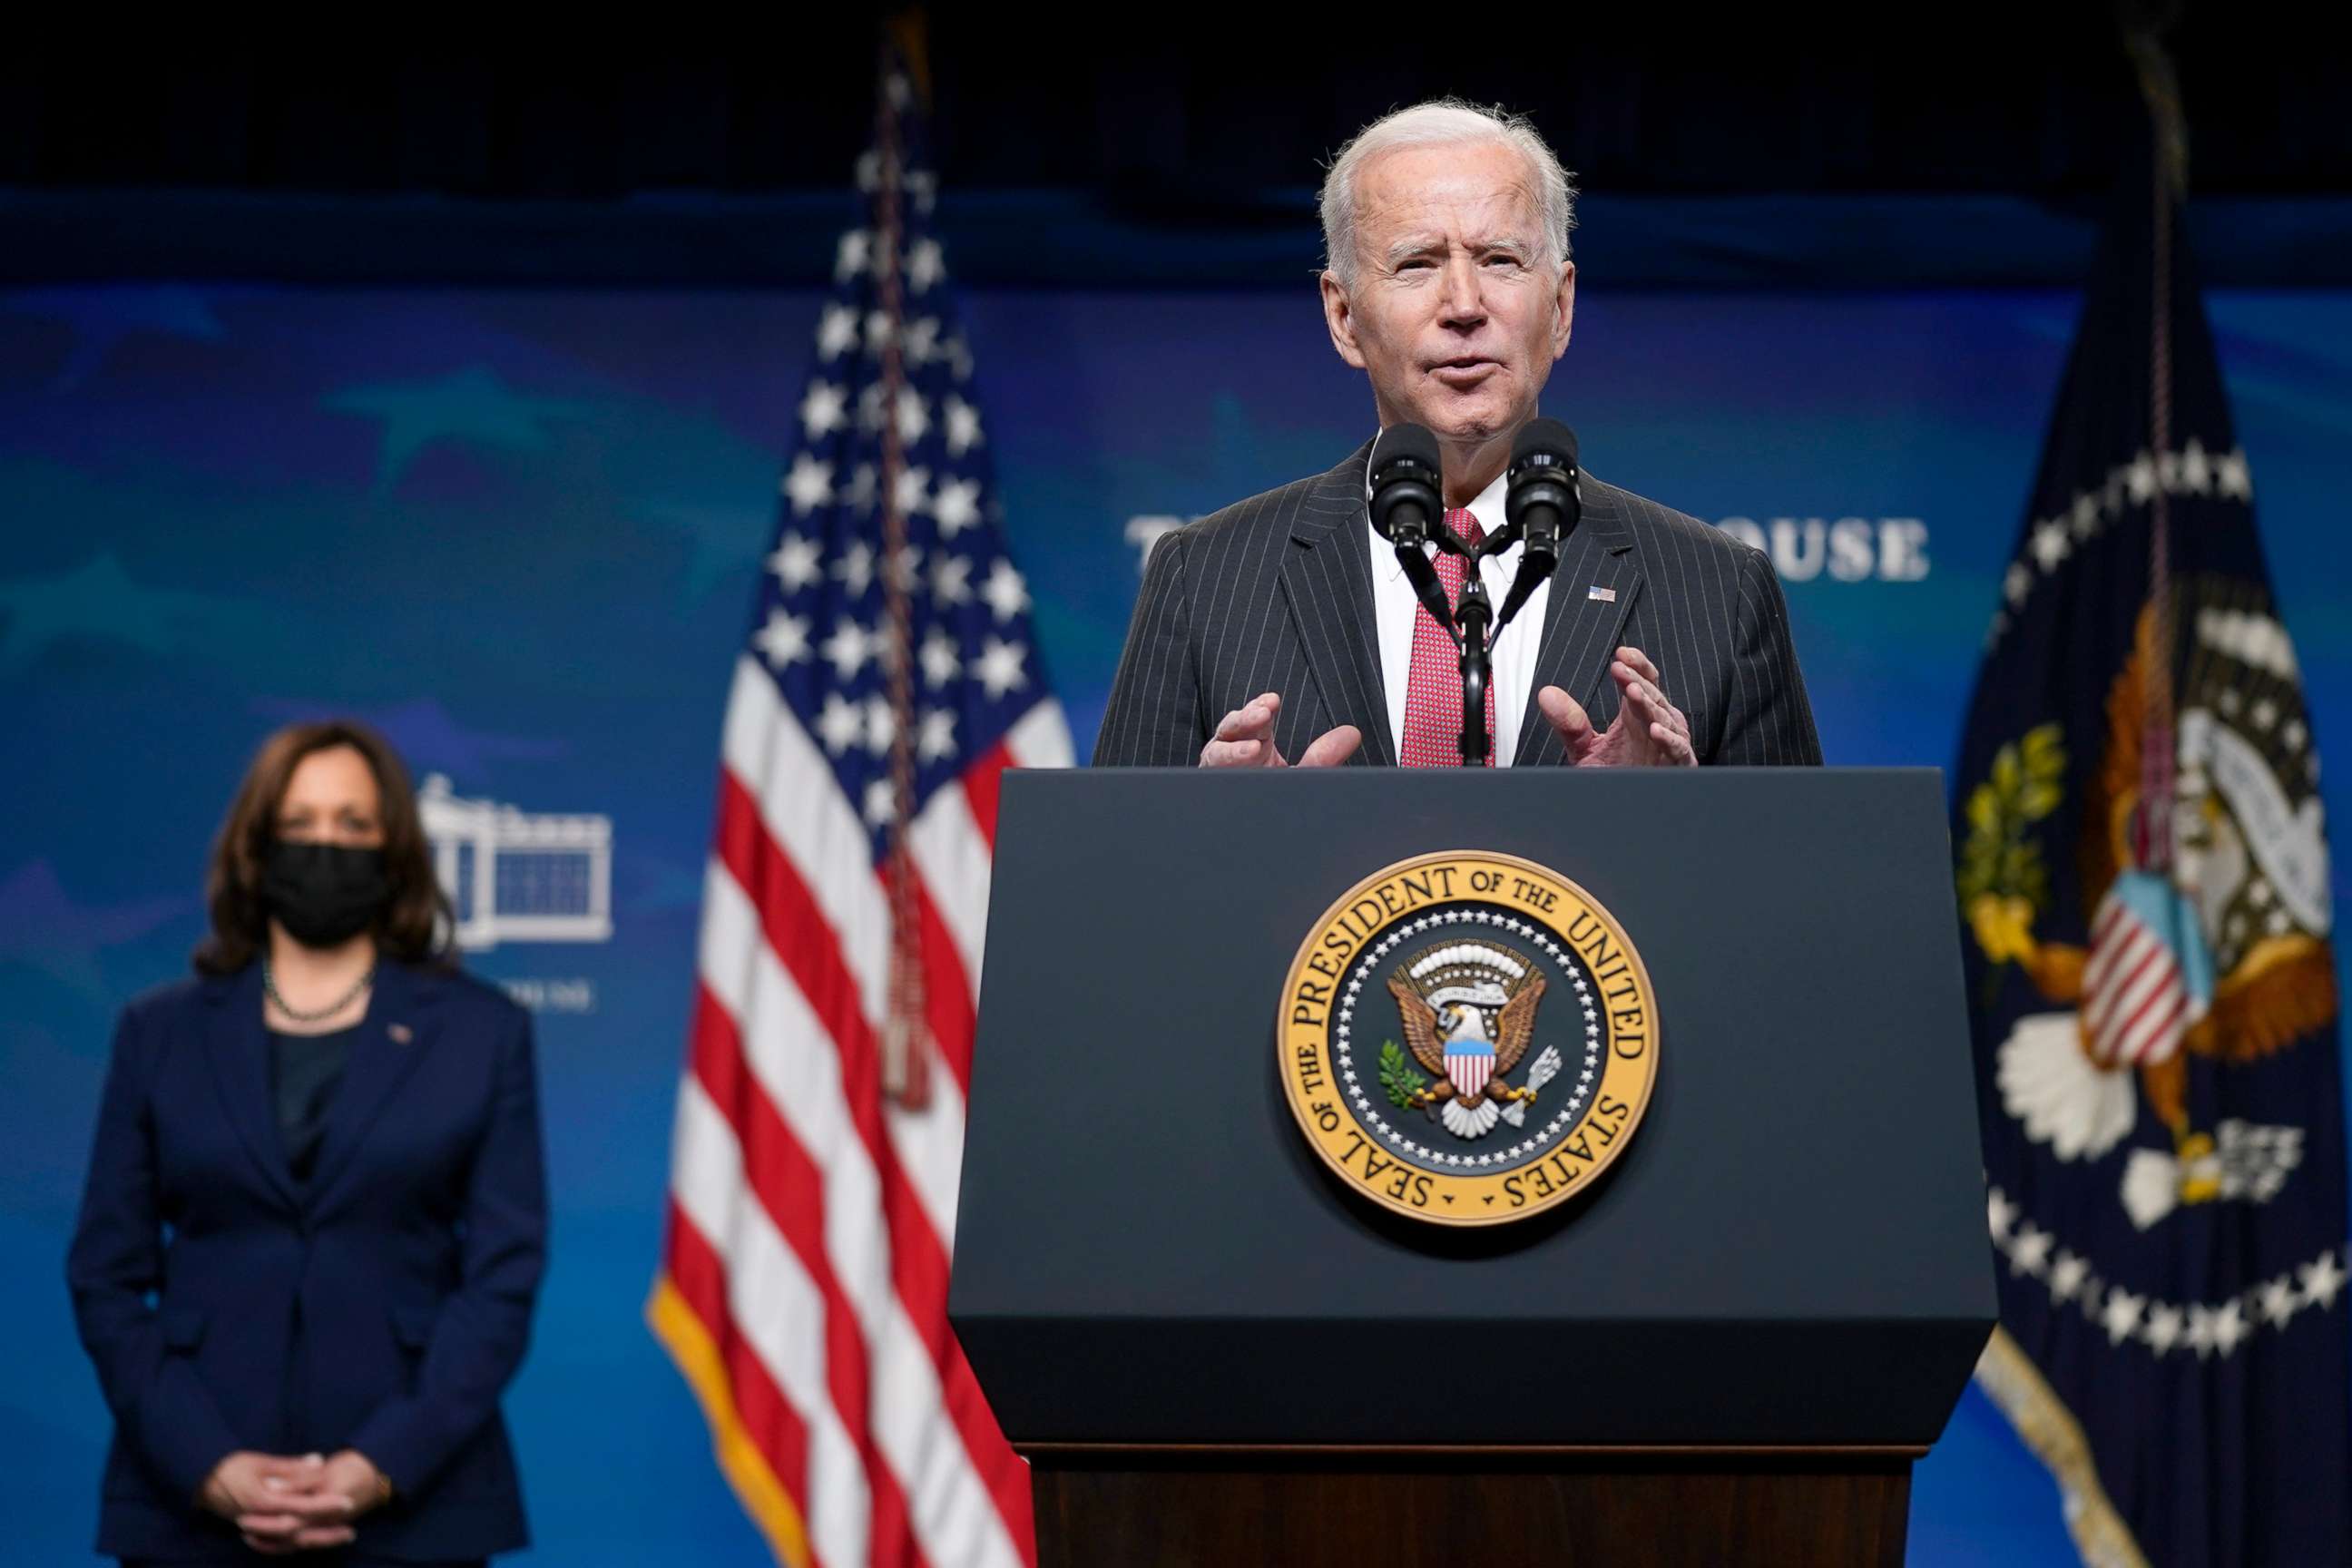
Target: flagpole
{"x":2160,"y":89}
{"x":905,"y":1065}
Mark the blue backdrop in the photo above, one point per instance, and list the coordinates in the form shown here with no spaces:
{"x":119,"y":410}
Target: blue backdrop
{"x":519,"y":531}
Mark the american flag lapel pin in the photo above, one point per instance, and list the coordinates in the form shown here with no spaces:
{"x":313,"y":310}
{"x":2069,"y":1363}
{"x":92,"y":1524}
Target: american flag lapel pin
{"x":401,"y":1034}
{"x":1600,"y":596}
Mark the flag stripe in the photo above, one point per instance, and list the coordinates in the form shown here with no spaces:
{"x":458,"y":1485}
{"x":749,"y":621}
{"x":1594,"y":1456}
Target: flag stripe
{"x":754,"y":839}
{"x":952,"y":854}
{"x":767,"y":753}
{"x":929,"y":1145}
{"x":2123,"y":997}
{"x":918,"y":1255}
{"x":771,"y":884}
{"x":766,"y":1291}
{"x":982,"y":786}
{"x":791,"y":1189}
{"x":955,"y":1511}
{"x":846,"y":895}
{"x":948,"y":990}
{"x":1041,"y":738}
{"x":2112,"y":964}
{"x":2140,"y":968}
{"x":2163,"y":993}
{"x":951,"y":1516}
{"x":762,"y":1444}
{"x":2102,"y":946}
{"x":2148,"y":1030}
{"x":803,"y":1086}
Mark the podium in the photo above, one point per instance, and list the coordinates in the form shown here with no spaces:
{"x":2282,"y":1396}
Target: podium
{"x":1728,"y":1348}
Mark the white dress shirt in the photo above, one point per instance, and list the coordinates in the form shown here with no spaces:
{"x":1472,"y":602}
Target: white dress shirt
{"x":1512,"y":652}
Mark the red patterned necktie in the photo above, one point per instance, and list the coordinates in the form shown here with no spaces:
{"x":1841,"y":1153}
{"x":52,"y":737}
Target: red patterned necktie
{"x":1432,"y":697}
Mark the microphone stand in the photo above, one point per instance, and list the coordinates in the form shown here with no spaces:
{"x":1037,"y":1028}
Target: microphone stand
{"x":1543,"y":504}
{"x":1537,"y":562}
{"x":1470,"y":624}
{"x":1475,"y":614}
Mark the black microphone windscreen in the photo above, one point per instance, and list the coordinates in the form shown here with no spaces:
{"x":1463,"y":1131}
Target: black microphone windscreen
{"x":1412,"y":441}
{"x":1545,"y":436}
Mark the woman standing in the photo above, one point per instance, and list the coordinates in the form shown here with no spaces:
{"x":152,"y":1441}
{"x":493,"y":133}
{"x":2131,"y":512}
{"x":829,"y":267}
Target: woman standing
{"x":316,"y":1217}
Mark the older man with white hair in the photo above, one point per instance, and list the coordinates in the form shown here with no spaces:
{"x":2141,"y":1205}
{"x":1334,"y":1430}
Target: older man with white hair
{"x":1283,"y":627}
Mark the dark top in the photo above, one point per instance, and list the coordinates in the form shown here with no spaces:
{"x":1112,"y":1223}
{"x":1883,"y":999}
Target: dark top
{"x":304,"y":1070}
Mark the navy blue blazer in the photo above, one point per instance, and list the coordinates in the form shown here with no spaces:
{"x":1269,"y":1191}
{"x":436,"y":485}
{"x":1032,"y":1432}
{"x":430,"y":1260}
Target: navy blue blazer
{"x":382,"y":1308}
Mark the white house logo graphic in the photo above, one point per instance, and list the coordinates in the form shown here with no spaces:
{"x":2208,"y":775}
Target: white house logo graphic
{"x":519,"y":876}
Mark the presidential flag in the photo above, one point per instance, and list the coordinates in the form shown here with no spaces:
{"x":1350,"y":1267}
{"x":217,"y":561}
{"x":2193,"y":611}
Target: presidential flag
{"x":2143,"y":870}
{"x":886,"y":677}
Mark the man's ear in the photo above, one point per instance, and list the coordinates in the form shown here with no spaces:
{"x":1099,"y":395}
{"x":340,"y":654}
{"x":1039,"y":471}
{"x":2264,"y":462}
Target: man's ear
{"x":1339,"y":316}
{"x":1564,"y":303}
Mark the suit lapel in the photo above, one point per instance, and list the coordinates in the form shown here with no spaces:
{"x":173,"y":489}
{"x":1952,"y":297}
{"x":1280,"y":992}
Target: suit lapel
{"x":390,"y":1040}
{"x":236,"y":1045}
{"x":1580,"y":631}
{"x":1326,"y":582}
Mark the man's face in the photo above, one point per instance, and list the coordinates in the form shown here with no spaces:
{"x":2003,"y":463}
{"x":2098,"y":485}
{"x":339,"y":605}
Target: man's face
{"x":1454,"y":313}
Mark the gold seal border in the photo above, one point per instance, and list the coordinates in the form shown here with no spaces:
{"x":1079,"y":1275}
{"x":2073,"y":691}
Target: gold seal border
{"x":1288,"y":1033}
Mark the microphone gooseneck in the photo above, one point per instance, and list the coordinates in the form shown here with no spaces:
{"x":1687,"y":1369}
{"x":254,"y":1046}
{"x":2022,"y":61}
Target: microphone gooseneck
{"x":1542,"y":501}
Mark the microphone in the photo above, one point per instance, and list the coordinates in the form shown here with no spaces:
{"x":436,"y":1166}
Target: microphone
{"x":1541,"y":502}
{"x":1407,"y":510}
{"x":1544,"y":498}
{"x":1405,"y":475}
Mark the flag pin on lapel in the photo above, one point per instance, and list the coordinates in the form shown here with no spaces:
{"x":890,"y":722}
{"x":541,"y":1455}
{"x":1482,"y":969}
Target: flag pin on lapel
{"x":1602,"y":595}
{"x":401,"y":1034}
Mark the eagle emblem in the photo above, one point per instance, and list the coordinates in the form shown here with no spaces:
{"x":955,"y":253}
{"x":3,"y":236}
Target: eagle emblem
{"x":1466,"y":945}
{"x":2221,"y":957}
{"x":1468,"y":1010}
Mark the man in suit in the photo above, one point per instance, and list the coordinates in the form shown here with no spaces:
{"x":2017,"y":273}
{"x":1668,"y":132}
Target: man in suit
{"x":1282,"y":628}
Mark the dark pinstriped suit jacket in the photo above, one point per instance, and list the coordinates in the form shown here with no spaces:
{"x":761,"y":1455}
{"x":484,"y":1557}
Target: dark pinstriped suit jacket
{"x":1275,"y":593}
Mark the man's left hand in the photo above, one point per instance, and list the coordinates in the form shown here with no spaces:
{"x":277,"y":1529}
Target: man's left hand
{"x":1648,"y":731}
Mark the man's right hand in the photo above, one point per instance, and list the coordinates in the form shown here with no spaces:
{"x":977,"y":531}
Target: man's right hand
{"x":1245,"y":740}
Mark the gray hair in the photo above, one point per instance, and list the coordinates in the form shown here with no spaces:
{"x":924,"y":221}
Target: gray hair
{"x":1443,"y":123}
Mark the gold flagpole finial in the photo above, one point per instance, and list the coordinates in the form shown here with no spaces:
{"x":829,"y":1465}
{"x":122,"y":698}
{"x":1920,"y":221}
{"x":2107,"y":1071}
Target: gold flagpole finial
{"x":910,"y":31}
{"x":2145,"y":25}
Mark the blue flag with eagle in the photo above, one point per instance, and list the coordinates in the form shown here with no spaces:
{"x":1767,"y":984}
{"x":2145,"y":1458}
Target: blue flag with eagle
{"x":2143,"y":873}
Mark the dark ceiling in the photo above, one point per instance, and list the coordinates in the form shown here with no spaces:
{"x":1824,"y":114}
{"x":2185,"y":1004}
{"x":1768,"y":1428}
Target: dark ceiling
{"x":1188,"y":112}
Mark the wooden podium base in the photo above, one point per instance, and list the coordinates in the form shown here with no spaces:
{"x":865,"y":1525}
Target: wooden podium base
{"x":1210,"y":1507}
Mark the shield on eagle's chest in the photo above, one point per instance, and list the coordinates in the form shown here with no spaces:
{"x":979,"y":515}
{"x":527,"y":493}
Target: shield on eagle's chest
{"x":1468,"y":1063}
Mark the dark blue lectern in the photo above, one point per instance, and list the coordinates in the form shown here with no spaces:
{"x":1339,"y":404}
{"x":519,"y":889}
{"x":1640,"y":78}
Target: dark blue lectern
{"x":1730,"y":1348}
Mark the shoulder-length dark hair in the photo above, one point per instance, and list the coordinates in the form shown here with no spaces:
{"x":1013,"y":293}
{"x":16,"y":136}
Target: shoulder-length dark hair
{"x":416,"y":925}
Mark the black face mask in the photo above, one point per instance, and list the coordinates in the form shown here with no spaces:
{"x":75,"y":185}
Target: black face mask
{"x":323,"y":894}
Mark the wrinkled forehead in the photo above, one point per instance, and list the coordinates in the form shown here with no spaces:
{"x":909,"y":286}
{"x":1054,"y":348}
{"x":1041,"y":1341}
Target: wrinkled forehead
{"x":1479,"y":190}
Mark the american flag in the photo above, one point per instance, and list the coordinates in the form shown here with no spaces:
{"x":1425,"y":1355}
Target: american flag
{"x":887,"y":678}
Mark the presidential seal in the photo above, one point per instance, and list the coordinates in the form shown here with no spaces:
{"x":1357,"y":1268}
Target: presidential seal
{"x":1467,"y":1038}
